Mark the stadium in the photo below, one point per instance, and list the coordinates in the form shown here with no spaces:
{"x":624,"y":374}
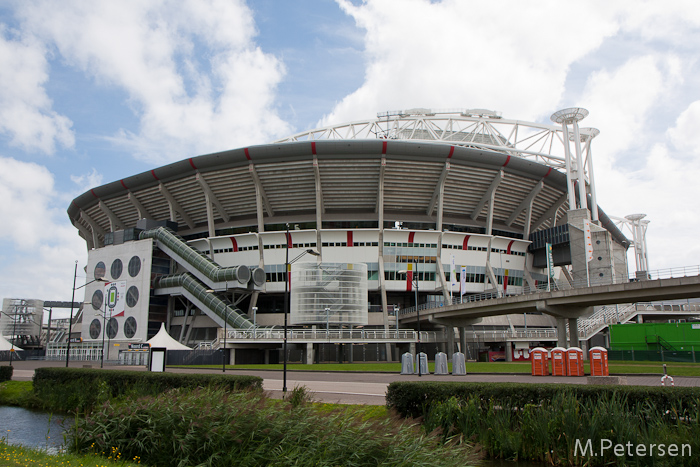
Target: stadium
{"x":371,"y":217}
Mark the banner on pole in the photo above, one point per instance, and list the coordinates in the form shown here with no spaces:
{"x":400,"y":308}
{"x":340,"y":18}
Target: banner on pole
{"x":550,"y":261}
{"x":587,"y":239}
{"x":453,"y":273}
{"x":463,"y":280}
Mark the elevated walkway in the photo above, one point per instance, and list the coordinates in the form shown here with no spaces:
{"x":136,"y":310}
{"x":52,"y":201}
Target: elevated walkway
{"x":201,"y":266}
{"x":216,"y":307}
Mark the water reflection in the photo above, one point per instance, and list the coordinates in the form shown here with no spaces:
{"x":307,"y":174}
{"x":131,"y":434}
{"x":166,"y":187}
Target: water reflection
{"x":31,"y":429}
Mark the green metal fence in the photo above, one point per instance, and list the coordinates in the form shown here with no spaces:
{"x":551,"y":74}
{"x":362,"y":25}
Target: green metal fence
{"x":653,"y":355}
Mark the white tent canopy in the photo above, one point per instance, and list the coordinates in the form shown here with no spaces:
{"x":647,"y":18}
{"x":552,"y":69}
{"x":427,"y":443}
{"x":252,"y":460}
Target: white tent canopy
{"x":163,"y":339}
{"x":6,"y":345}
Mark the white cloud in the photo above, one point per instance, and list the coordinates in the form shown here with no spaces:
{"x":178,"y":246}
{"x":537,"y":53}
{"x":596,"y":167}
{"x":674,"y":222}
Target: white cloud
{"x":685,"y":135}
{"x":193,"y":74}
{"x":38,"y":246}
{"x":510,"y":57}
{"x":621,"y":100}
{"x":88,"y":180}
{"x":26,"y":114}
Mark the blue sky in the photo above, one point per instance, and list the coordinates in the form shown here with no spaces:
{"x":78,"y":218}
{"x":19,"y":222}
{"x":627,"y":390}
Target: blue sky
{"x":94,"y":91}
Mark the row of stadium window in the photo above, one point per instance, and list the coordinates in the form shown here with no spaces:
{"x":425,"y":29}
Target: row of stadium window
{"x":386,"y":244}
{"x":422,"y":276}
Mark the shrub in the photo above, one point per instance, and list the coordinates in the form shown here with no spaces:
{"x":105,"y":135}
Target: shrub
{"x":5,"y":373}
{"x":78,"y":389}
{"x":410,"y":399}
{"x":218,"y":428}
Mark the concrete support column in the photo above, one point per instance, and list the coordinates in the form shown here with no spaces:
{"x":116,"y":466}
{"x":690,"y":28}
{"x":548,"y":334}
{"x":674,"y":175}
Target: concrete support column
{"x":561,"y":332}
{"x":267,"y":356}
{"x":231,"y":357}
{"x":509,"y":351}
{"x":463,"y":341}
{"x":412,"y":349}
{"x":573,"y":332}
{"x":310,"y":353}
{"x":450,"y":341}
{"x":350,"y":349}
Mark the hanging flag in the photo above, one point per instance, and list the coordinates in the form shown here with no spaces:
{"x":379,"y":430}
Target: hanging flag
{"x":463,"y":280}
{"x":550,"y":260}
{"x":453,"y":273}
{"x":587,"y":239}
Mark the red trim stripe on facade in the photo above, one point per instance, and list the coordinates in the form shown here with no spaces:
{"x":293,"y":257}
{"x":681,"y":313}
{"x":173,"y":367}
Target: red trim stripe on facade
{"x":247,"y":154}
{"x":349,"y":240}
{"x":153,"y":172}
{"x":507,"y":160}
{"x":234,"y":243}
{"x":313,"y":148}
{"x":411,"y":237}
{"x":409,"y":277}
{"x":452,"y":151}
{"x":465,"y":242}
{"x":289,"y":239}
{"x":123,"y":184}
{"x":548,"y":172}
{"x":384,"y":143}
{"x":94,"y":194}
{"x":192,"y":163}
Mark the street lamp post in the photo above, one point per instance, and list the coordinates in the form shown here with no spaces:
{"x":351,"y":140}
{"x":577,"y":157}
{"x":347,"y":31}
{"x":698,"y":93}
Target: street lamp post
{"x":70,"y":321}
{"x":223,"y":355}
{"x":287,"y":300}
{"x":14,"y":333}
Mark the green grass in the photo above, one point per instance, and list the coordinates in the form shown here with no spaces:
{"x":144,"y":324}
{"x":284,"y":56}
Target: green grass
{"x":616,"y":367}
{"x":22,"y":457}
{"x":18,"y":394}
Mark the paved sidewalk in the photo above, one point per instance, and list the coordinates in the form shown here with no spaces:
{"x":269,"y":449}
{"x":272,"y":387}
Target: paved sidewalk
{"x":351,"y":387}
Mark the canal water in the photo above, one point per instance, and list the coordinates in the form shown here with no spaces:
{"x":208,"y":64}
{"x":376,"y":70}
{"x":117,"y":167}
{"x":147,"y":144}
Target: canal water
{"x":37,"y":430}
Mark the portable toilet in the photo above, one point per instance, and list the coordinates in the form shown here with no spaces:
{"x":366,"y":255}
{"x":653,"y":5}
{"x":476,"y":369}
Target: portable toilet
{"x":559,"y":366}
{"x":423,"y":361}
{"x":441,"y":364}
{"x":459,"y":366}
{"x":599,"y":361}
{"x":574,"y":361}
{"x":407,"y":364}
{"x":540,"y":361}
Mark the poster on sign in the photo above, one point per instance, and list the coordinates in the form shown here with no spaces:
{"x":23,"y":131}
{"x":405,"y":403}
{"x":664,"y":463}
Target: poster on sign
{"x":115,"y":298}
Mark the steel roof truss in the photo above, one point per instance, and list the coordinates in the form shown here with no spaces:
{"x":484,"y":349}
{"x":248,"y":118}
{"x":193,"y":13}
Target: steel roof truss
{"x":488,"y":195}
{"x":212,"y":197}
{"x":114,"y":222}
{"x":526,"y":203}
{"x":175,"y":207}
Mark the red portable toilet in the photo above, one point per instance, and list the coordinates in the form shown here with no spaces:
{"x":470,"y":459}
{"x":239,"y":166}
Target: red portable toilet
{"x":540,"y":361}
{"x":559,"y":365}
{"x":574,"y":361}
{"x":599,"y":361}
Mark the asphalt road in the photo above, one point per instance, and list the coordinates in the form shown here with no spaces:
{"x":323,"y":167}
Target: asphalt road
{"x":352,"y":387}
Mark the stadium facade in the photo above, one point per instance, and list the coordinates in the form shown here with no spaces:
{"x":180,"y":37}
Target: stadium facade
{"x":454,"y":203}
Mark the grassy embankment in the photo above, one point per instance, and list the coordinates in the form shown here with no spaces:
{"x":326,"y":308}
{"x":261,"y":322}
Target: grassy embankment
{"x":674,"y":368}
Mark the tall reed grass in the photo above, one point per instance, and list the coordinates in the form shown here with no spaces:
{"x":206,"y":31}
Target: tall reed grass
{"x":548,"y":432}
{"x":214,"y":427}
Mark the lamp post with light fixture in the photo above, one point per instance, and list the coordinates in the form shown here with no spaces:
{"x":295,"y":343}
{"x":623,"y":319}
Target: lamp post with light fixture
{"x":287,"y":300}
{"x":70,"y":320}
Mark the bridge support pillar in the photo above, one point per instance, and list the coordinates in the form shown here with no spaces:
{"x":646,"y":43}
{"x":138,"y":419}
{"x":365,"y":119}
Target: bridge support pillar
{"x":309,"y":353}
{"x":450,"y":335}
{"x":509,"y":351}
{"x":561,"y":332}
{"x":463,"y":340}
{"x":573,"y":332}
{"x":412,"y":349}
